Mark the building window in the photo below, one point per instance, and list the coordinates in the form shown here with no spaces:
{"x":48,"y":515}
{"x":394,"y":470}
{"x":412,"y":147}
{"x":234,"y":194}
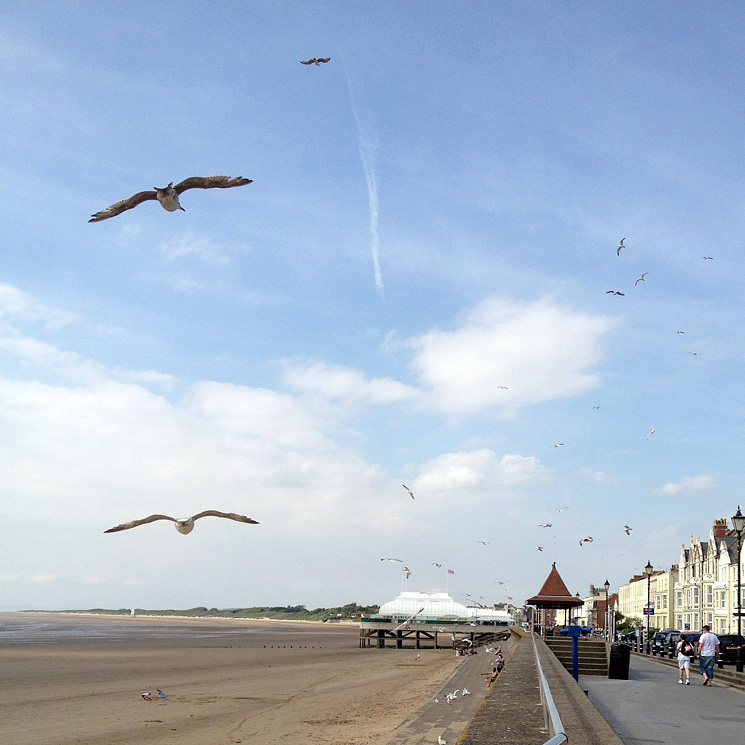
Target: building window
{"x":664,"y":602}
{"x":679,"y":598}
{"x":695,"y":595}
{"x":709,"y":595}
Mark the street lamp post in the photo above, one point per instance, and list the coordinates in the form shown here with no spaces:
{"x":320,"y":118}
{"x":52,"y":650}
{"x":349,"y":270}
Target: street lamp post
{"x":738,"y":523}
{"x":648,"y":569}
{"x":607,"y":616}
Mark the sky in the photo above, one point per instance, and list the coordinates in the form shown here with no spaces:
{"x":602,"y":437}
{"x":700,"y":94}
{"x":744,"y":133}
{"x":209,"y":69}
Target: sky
{"x":417,"y":288}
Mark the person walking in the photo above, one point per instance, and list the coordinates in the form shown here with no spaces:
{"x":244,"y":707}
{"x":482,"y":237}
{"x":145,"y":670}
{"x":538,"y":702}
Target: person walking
{"x":685,"y":652}
{"x":708,"y":650}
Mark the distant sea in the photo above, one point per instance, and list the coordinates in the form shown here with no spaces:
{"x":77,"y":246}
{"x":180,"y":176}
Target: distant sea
{"x":51,"y":628}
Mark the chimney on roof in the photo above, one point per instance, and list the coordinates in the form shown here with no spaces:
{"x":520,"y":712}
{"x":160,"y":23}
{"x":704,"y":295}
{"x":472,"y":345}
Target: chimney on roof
{"x":720,"y":528}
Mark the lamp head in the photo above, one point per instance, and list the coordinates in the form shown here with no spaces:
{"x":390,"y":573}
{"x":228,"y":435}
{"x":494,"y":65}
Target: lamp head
{"x":738,"y":520}
{"x":649,"y":568}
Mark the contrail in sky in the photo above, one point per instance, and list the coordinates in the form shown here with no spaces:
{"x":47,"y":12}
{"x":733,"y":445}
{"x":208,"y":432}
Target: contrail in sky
{"x":368,"y":145}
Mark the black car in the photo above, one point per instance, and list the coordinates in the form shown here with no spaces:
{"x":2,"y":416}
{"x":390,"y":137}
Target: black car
{"x":629,"y":637}
{"x":673,"y":640}
{"x":728,"y":648}
{"x":660,"y":640}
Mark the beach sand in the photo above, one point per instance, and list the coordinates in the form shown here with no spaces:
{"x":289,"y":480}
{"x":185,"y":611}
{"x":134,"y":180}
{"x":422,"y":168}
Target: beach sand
{"x":291,"y":682}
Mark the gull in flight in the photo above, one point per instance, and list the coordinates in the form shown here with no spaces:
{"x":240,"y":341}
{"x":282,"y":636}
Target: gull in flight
{"x":559,"y":445}
{"x":545,"y":525}
{"x":651,"y":432}
{"x":168,"y":195}
{"x":407,"y":572}
{"x":185,"y":525}
{"x":614,"y":292}
{"x":710,"y":258}
{"x":411,"y":493}
{"x":435,"y":564}
{"x":390,"y":559}
{"x":586,"y":539}
{"x":540,"y":548}
{"x":314,"y":61}
{"x":641,"y":279}
{"x":483,"y":543}
{"x":628,"y":529}
{"x":620,"y":246}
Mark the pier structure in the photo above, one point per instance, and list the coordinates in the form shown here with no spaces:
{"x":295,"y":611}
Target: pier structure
{"x":432,"y":620}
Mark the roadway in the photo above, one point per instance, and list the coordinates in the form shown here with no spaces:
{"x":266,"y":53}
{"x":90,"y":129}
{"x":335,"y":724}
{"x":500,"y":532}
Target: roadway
{"x":651,"y":707}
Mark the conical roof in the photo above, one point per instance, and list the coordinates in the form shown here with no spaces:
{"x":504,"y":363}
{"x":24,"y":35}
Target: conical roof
{"x":554,"y":593}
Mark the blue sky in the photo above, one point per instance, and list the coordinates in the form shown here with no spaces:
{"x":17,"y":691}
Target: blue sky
{"x":413,"y":290}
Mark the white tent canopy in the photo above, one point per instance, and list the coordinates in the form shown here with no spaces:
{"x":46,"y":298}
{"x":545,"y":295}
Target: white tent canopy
{"x":433,"y":604}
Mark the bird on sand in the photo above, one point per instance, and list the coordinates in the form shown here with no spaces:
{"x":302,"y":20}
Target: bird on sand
{"x":586,"y":539}
{"x":628,"y":529}
{"x":184,"y":525}
{"x":620,"y":246}
{"x":411,"y":493}
{"x":440,"y":741}
{"x":641,"y":279}
{"x":315,"y":61}
{"x":168,"y":195}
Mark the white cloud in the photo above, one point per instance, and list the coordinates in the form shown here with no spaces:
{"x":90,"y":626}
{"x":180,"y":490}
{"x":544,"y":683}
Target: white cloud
{"x":16,"y":303}
{"x":689,"y":485}
{"x":479,"y":471}
{"x":341,"y":383}
{"x":189,"y":245}
{"x":596,"y":477}
{"x":538,"y":352}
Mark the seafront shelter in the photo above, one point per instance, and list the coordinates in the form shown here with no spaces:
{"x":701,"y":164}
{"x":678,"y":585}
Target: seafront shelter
{"x":553,"y":597}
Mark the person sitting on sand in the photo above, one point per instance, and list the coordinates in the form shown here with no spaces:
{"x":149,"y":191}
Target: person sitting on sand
{"x":161,"y":694}
{"x":146,"y":696}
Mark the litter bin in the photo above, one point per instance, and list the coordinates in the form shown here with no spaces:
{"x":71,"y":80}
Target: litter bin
{"x":618,"y":664}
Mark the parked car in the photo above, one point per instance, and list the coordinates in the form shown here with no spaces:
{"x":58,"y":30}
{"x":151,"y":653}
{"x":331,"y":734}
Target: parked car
{"x":675,"y":638}
{"x":728,"y":648}
{"x":660,"y":639}
{"x":629,"y":637}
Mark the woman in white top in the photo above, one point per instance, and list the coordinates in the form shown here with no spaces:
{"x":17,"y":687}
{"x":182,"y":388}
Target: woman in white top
{"x":684,"y":660}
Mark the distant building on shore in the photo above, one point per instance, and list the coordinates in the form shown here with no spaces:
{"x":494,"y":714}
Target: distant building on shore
{"x":439,"y":607}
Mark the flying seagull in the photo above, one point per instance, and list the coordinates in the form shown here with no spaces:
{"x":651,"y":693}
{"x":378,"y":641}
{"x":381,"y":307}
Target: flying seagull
{"x":545,"y":525}
{"x":411,"y":493}
{"x":586,"y":539}
{"x":435,"y":564}
{"x":710,"y":258}
{"x":641,"y":279}
{"x":483,"y":543}
{"x":168,"y":195}
{"x":540,"y":548}
{"x":407,"y":572}
{"x":628,"y":529}
{"x":651,"y":432}
{"x":390,"y":559}
{"x":185,"y":525}
{"x":614,"y":292}
{"x":620,"y":246}
{"x":314,"y":61}
{"x":559,"y":445}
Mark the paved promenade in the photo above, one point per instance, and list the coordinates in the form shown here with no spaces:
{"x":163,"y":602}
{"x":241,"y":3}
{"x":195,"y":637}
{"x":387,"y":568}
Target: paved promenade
{"x":650,"y":707}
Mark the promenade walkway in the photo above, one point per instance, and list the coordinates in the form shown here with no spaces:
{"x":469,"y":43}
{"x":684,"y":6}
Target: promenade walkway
{"x":651,"y":707}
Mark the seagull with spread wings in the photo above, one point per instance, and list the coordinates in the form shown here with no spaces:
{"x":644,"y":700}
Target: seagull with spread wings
{"x":545,"y":525}
{"x":314,"y":61}
{"x":614,"y":292}
{"x":628,"y":529}
{"x":586,"y":539}
{"x":168,"y":195}
{"x":184,"y":525}
{"x":620,"y":246}
{"x":411,"y":493}
{"x":641,"y":279}
{"x":392,"y":560}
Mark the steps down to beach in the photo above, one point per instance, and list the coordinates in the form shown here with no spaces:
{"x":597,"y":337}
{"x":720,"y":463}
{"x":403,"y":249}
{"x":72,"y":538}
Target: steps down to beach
{"x":592,"y":654}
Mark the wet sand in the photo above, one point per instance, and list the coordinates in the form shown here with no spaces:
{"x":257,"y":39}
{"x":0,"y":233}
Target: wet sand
{"x":226,"y":681}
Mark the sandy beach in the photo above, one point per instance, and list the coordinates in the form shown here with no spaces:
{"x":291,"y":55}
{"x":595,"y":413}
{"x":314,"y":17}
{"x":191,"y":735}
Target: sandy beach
{"x":226,"y":681}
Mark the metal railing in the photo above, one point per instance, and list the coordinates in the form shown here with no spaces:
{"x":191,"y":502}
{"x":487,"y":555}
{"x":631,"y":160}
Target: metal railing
{"x":550,"y":712}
